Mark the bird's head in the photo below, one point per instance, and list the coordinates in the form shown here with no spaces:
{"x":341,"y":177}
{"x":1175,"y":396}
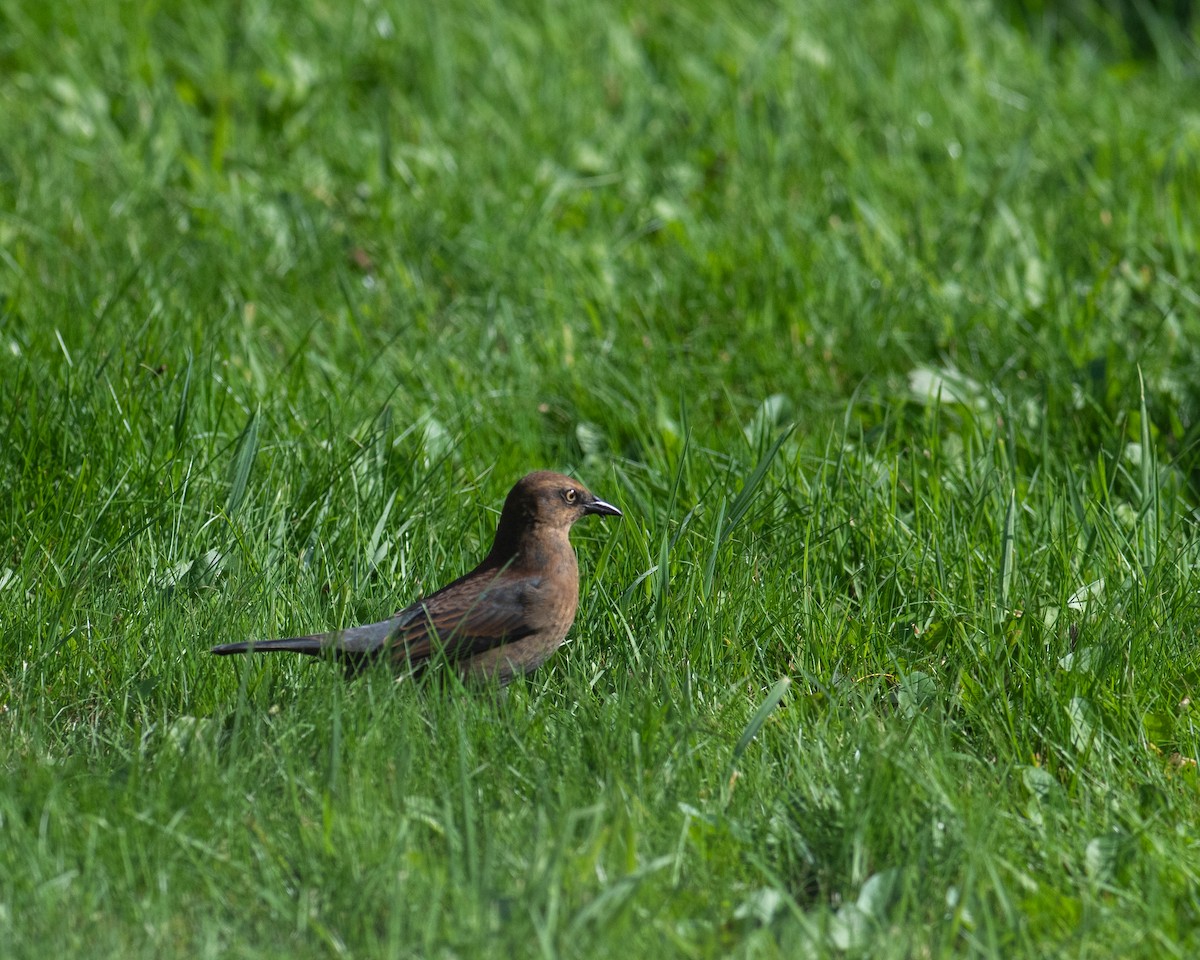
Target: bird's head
{"x":553,"y":500}
{"x":543,"y":504}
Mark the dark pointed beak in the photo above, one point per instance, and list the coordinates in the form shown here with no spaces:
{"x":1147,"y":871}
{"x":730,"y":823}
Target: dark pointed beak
{"x":602,"y":508}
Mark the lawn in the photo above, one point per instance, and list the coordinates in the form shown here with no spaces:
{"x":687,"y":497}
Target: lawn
{"x":879,"y":321}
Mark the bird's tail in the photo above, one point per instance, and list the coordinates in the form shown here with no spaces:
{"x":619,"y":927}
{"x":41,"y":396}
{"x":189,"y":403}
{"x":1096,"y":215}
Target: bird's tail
{"x":354,"y":647}
{"x":313,"y":646}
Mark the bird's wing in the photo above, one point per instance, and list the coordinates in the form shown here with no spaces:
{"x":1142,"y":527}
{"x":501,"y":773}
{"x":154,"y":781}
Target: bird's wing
{"x":469,"y":616}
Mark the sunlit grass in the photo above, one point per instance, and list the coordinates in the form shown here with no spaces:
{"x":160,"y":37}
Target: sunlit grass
{"x":879,"y":326}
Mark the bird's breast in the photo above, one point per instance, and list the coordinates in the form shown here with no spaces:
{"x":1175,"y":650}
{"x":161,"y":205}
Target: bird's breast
{"x":546,"y":580}
{"x":551,"y":602}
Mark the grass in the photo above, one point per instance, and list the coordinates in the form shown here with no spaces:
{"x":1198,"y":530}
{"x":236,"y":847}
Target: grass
{"x":880,"y":326}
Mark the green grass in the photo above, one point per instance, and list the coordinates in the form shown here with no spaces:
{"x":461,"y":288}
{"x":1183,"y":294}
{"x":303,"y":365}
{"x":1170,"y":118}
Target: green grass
{"x":880,"y":322}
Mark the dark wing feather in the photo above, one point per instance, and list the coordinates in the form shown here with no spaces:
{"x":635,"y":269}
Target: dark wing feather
{"x":484,"y":609}
{"x":475,"y":613}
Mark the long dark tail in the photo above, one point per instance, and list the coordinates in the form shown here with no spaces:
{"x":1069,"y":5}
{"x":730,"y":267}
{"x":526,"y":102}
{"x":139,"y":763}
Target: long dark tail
{"x":314,"y":646}
{"x":322,"y":644}
{"x":354,"y":647}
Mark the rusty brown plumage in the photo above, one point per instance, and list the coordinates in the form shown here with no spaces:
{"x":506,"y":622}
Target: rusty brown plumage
{"x":504,"y":618}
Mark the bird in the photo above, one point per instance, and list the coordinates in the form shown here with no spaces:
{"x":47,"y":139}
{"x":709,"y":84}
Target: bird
{"x":503,"y":619}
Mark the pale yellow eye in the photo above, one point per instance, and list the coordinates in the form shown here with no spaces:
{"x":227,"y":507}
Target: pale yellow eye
{"x":570,"y":496}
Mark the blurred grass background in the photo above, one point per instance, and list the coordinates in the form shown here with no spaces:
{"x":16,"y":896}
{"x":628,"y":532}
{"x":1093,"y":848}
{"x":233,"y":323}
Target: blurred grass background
{"x":880,"y":322}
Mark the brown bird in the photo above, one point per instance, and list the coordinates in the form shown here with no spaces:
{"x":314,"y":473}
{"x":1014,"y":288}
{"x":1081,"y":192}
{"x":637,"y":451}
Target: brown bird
{"x":504,"y":618}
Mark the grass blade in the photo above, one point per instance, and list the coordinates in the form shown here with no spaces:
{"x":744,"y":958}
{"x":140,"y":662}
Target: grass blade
{"x":243,"y":461}
{"x":1149,"y":504}
{"x":181,"y":414}
{"x":711,"y":568}
{"x":777,"y":693}
{"x":741,"y":503}
{"x":1006,"y":554}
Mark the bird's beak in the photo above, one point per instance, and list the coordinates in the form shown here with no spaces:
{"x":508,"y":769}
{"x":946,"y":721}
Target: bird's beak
{"x":602,"y":508}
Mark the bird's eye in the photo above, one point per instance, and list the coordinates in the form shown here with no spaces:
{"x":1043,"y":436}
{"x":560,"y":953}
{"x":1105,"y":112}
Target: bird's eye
{"x":570,"y":496}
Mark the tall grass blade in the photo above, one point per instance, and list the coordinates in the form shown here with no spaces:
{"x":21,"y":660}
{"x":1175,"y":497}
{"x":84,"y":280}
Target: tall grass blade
{"x":1149,"y":504}
{"x":181,"y":413}
{"x":243,"y":462}
{"x":776,"y":694}
{"x":1007,"y":554}
{"x":742,"y":502}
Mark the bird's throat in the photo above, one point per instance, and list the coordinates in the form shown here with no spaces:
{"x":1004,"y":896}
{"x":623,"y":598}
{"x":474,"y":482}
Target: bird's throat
{"x":535,"y":548}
